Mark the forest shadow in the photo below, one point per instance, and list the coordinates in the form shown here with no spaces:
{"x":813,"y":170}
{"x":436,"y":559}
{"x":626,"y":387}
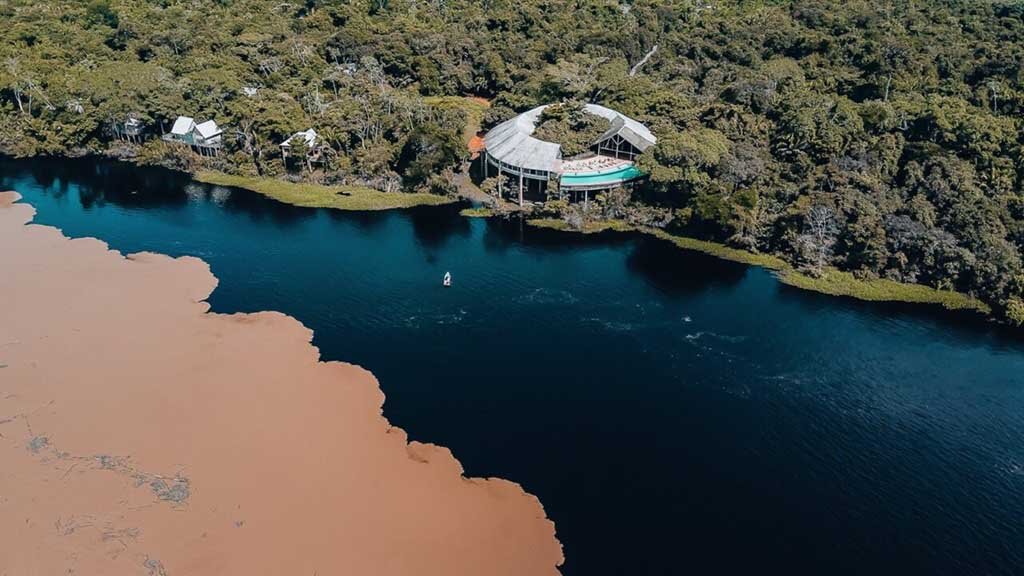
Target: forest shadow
{"x":676,"y":272}
{"x":503,"y":234}
{"x":255,"y":206}
{"x":433,"y":226}
{"x":101,"y":180}
{"x":366,"y":221}
{"x":949,"y":326}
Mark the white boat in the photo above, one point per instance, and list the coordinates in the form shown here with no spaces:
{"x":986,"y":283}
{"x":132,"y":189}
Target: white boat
{"x":447,"y":279}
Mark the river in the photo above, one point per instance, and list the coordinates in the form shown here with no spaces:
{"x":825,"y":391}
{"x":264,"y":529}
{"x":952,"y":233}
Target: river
{"x":673,"y":412}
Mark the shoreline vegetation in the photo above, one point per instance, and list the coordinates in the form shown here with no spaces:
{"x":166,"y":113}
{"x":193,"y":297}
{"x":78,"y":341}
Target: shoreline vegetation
{"x":312,"y":195}
{"x":320,"y":196}
{"x":477,"y":212}
{"x":832,"y":282}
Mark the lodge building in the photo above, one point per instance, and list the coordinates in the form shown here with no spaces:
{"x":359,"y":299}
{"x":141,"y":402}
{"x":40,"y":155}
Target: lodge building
{"x":512,"y":150}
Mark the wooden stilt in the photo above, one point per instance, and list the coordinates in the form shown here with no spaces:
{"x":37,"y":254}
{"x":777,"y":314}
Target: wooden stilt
{"x":520,"y":187}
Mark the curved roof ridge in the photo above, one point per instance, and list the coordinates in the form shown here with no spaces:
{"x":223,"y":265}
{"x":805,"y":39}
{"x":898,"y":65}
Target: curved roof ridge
{"x":513,"y":143}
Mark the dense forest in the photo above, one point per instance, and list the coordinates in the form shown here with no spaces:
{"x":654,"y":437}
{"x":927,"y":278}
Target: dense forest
{"x":882,"y":138}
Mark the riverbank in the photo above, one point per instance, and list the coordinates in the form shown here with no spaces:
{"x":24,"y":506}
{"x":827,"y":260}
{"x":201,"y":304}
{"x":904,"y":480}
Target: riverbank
{"x":360,"y":198}
{"x":832,"y":282}
{"x":142,"y":433}
{"x":477,"y":212}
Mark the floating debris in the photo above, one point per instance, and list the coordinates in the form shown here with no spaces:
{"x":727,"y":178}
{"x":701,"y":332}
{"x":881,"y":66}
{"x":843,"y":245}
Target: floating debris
{"x":176,"y":491}
{"x":108,"y":462}
{"x":38,"y":443}
{"x":154,"y":567}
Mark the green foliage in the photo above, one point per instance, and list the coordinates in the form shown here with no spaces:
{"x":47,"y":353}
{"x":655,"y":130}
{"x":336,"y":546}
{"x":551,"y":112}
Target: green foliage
{"x":839,"y":283}
{"x":472,"y":110}
{"x":900,"y":120}
{"x":720,"y":250}
{"x":1015,"y":311}
{"x":684,"y":160}
{"x":100,"y":12}
{"x":835,"y":282}
{"x":477,"y":212}
{"x":588,"y":227}
{"x":570,"y":125}
{"x":426,"y":149}
{"x":318,"y":196}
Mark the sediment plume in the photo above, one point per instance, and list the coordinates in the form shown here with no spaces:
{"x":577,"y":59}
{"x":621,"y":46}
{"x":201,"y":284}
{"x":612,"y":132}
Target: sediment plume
{"x":142,"y":434}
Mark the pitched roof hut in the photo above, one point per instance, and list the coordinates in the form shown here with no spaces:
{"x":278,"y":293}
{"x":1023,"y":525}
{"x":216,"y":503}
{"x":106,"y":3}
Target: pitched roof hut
{"x":308,"y":144}
{"x":131,"y":130}
{"x":309,"y":137}
{"x":133,"y":126}
{"x":183,"y":127}
{"x":208,"y":133}
{"x":205,"y":136}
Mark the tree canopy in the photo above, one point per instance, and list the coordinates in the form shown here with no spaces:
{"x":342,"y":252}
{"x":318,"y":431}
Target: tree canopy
{"x":569,"y":124}
{"x":882,"y":138}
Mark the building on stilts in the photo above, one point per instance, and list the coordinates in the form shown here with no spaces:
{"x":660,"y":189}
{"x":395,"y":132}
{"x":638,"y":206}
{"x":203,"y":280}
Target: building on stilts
{"x":132,"y":129}
{"x":204,"y":137}
{"x":511,"y":150}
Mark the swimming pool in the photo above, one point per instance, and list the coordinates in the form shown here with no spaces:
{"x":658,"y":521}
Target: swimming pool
{"x":608,"y":178}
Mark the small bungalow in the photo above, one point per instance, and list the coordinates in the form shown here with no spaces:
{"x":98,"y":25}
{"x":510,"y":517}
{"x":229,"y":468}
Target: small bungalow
{"x":208,"y":134}
{"x":204,"y":137}
{"x":309,"y":139}
{"x":131,"y":130}
{"x":182,"y":130}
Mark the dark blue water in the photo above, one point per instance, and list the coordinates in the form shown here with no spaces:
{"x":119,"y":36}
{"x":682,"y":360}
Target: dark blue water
{"x":673,"y":412}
